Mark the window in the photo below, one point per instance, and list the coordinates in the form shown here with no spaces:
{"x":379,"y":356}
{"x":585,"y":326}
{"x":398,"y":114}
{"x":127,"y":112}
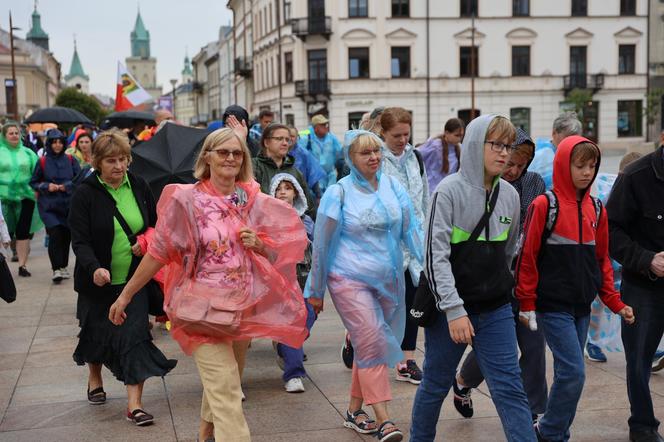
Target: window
{"x":288,"y":66}
{"x":520,"y":60}
{"x":579,"y":8}
{"x":627,"y":7}
{"x":626,"y":54}
{"x":354,"y":119}
{"x":287,"y":11}
{"x":358,"y":62}
{"x":520,"y":117}
{"x":577,"y":66}
{"x":468,"y":8}
{"x":290,"y":120}
{"x":467,"y":115}
{"x":270,"y":22}
{"x":358,"y":8}
{"x":400,"y":8}
{"x":520,"y":8}
{"x":400,"y":65}
{"x":629,"y":118}
{"x":468,"y":61}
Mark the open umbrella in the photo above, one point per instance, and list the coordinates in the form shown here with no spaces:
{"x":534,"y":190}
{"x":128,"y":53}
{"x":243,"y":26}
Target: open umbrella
{"x":168,"y":157}
{"x":126,"y":119}
{"x":57,"y":114}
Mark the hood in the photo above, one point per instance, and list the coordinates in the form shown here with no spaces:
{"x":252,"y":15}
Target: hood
{"x":55,"y":134}
{"x":472,"y":150}
{"x":522,"y":137}
{"x":239,"y":112}
{"x":300,"y":203}
{"x":562,"y":177}
{"x":355,"y":175}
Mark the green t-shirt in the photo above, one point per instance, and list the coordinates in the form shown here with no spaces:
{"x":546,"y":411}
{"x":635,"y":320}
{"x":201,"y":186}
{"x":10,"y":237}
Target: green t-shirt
{"x":121,"y":255}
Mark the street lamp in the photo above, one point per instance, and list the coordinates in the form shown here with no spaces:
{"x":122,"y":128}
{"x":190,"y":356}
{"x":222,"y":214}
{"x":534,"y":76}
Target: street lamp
{"x":13,"y":28}
{"x":174,"y":81}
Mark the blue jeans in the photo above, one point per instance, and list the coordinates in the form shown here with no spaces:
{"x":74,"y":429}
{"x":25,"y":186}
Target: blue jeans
{"x":566,"y":337}
{"x":641,"y":340}
{"x":496,"y":350}
{"x":293,"y":357}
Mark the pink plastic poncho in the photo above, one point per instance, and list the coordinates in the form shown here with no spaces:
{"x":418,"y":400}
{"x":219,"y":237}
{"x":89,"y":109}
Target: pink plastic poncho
{"x":197,"y":238}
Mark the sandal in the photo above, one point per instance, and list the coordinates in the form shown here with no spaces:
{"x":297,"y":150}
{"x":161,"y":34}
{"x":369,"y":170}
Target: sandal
{"x":384,"y":435}
{"x":363,"y":427}
{"x":140,"y":417}
{"x":96,"y":396}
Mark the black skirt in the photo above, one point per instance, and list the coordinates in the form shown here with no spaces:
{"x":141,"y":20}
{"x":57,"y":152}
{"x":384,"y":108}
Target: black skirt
{"x":127,"y":350}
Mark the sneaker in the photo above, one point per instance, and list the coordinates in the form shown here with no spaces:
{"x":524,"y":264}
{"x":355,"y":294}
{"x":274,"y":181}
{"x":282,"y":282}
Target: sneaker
{"x":409,"y":372}
{"x":462,"y":400}
{"x":23,"y":271}
{"x":57,"y":276}
{"x":65,"y":273}
{"x":294,"y":385}
{"x":594,"y":353}
{"x":347,"y":353}
{"x":140,"y":417}
{"x":658,"y":361}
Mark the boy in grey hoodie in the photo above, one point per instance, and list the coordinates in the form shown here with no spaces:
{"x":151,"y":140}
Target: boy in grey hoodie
{"x":472,"y":283}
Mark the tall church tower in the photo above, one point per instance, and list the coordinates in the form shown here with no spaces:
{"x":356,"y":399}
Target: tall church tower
{"x":187,"y":74}
{"x":76,"y":76}
{"x":141,"y":65}
{"x":36,"y":34}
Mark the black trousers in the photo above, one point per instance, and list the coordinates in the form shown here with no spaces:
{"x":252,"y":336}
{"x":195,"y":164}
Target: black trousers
{"x":59,"y":239}
{"x":641,"y":340}
{"x":410,"y":335}
{"x":25,"y":220}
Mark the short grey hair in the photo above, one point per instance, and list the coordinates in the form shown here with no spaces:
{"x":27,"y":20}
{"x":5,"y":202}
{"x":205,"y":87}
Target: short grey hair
{"x":567,"y":124}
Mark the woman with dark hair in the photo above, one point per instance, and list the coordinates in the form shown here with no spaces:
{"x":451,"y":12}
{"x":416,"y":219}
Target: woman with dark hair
{"x":441,"y":154}
{"x":274,"y":158}
{"x":82,"y":149}
{"x":52,"y":180}
{"x":17,"y":163}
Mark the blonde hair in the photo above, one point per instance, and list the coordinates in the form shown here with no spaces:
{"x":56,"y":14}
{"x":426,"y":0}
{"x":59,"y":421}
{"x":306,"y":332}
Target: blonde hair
{"x":110,"y":143}
{"x":501,"y":128}
{"x":364,"y":141}
{"x":218,"y":138}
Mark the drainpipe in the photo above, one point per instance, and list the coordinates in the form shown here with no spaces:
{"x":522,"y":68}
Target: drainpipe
{"x":281,"y":105}
{"x":428,"y":77}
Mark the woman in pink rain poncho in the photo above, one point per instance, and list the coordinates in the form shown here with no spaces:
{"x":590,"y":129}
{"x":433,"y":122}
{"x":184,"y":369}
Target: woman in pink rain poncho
{"x":361,"y":223}
{"x":229,"y":253}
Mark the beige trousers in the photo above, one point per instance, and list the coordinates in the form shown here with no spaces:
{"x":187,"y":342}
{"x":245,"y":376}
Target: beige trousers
{"x":222,"y":397}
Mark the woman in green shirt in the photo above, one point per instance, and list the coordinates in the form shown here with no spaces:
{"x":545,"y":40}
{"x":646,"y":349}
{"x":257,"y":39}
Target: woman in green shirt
{"x":105,"y":260}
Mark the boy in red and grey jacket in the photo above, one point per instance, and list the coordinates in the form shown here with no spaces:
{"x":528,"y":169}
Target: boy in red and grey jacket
{"x":563,"y":265}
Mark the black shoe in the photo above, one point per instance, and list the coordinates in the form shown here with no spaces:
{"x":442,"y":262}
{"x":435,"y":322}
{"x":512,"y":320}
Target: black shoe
{"x":347,"y":352}
{"x":22,"y":271}
{"x":410,"y":373}
{"x":462,"y":401}
{"x":650,"y":435}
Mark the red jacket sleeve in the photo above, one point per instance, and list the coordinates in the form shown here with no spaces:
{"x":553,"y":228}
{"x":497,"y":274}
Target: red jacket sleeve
{"x":527,"y":275}
{"x":607,"y":293}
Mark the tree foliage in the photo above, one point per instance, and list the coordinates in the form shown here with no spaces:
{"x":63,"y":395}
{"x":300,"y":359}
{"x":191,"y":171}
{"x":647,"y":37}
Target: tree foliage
{"x":580,"y":99}
{"x":87,"y":105}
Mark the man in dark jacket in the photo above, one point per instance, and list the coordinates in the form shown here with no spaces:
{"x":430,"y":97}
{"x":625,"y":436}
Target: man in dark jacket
{"x":636,"y":220}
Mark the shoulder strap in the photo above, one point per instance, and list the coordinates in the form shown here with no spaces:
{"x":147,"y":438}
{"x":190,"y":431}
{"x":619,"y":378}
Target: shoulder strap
{"x":598,"y":210}
{"x":42,"y":163}
{"x":420,"y":162}
{"x":71,"y":159}
{"x":487,"y":214}
{"x":551,"y":214}
{"x":123,"y":223}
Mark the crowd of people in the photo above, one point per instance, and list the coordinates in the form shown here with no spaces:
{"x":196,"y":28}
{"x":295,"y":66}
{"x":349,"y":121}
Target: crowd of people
{"x":277,"y":218}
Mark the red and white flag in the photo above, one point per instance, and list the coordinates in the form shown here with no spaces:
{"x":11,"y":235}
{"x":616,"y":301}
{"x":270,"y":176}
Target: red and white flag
{"x":128,"y":92}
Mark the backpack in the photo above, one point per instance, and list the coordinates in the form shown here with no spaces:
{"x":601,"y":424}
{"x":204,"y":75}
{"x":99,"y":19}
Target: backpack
{"x":420,"y":161}
{"x":552,"y":213}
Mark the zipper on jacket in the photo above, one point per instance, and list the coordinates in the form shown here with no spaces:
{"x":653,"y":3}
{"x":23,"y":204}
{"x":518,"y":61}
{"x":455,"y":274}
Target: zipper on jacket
{"x":580,"y":216}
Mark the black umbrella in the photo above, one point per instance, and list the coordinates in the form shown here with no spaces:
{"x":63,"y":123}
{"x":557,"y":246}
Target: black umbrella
{"x":168,"y":157}
{"x":57,"y":114}
{"x":127,"y":119}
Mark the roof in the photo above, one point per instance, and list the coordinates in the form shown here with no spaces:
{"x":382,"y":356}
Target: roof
{"x":187,"y":66}
{"x":76,"y":69}
{"x":140,"y":32}
{"x":36,"y":31}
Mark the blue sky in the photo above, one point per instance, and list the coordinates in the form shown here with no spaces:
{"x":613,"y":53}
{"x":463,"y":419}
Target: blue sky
{"x":102,"y":31}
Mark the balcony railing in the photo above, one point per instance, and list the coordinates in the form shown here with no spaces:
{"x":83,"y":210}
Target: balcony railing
{"x":594,"y":82}
{"x":244,"y":66}
{"x":312,"y":88}
{"x":303,"y":27}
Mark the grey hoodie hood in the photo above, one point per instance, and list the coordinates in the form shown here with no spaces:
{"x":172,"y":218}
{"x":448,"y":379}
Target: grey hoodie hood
{"x":472,"y":150}
{"x":300,"y":203}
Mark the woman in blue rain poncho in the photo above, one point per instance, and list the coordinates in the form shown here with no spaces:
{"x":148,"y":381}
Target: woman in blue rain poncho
{"x":362,"y":221}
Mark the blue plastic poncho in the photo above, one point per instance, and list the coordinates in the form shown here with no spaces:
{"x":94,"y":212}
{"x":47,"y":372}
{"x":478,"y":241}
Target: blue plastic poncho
{"x":327,"y":151}
{"x":357,"y":255}
{"x":543,"y":161}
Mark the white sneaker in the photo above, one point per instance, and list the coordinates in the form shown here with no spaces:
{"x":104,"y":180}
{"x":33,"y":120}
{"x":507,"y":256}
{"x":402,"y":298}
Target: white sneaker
{"x":294,"y":385}
{"x":57,"y":275}
{"x":65,"y":273}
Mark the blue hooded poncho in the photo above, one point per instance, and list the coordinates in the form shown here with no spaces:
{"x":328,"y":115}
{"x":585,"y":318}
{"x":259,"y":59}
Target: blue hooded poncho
{"x":357,"y":246}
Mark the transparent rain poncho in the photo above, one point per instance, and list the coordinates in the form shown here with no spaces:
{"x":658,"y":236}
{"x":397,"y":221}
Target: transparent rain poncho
{"x":357,"y":255}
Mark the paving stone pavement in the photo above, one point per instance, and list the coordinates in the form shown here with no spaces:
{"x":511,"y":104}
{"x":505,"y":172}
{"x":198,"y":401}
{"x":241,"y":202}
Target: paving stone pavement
{"x":42,"y":391}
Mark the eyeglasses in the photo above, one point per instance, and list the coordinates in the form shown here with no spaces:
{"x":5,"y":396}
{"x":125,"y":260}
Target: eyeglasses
{"x":498,"y":147}
{"x":223,"y":154}
{"x":282,"y":139}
